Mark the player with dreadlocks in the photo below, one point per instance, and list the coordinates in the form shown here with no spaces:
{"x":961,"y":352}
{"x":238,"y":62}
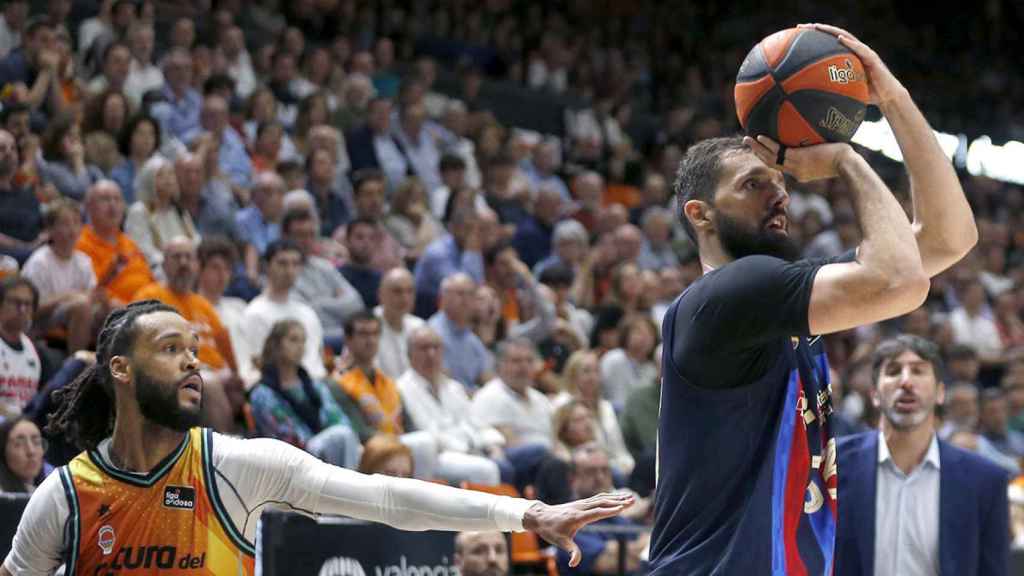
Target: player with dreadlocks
{"x":154,"y":492}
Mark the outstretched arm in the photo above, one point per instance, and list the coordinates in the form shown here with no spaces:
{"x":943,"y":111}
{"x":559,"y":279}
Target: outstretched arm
{"x":943,"y":221}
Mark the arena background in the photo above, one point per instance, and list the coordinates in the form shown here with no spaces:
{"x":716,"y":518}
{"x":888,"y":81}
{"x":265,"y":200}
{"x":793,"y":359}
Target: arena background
{"x":623,"y":88}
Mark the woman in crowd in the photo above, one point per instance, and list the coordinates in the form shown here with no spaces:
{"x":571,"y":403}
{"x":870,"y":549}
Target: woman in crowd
{"x":156,"y":217}
{"x":105,"y":117}
{"x":22,"y":467}
{"x":410,"y":220}
{"x":630,"y":366}
{"x":289,"y":405}
{"x":384,"y":454}
{"x":63,"y":163}
{"x":137,"y":141}
{"x":582,"y":379}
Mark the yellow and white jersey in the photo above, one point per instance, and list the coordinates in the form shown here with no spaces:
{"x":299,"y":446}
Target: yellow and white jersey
{"x":199,"y":508}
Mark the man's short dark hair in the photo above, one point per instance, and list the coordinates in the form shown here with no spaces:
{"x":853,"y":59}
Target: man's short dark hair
{"x":350,"y":229}
{"x":280,"y":245}
{"x":958,"y":352}
{"x":358,"y":317}
{"x":217,"y":83}
{"x":492,"y":253}
{"x":295,"y":215}
{"x":451,"y":161}
{"x":893,"y":347}
{"x":991,"y":395}
{"x":361,"y":177}
{"x":11,"y":282}
{"x":217,"y":247}
{"x":557,"y":275}
{"x":35,"y":25}
{"x":699,"y":172}
{"x":12,"y":108}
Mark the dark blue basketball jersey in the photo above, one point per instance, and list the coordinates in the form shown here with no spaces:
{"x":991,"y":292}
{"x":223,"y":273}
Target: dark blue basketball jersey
{"x":746,"y":456}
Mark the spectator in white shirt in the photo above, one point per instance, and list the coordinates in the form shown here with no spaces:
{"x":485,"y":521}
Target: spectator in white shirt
{"x":64,"y":276}
{"x":510,"y":402}
{"x":283,"y":264}
{"x":439,"y":405}
{"x":239,"y":63}
{"x":143,"y":75}
{"x":630,"y":367}
{"x":20,"y":368}
{"x":973,"y":326}
{"x":397,"y":296}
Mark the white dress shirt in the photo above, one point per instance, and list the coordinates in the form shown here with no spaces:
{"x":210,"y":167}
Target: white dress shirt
{"x":907,"y":515}
{"x":447,"y":416}
{"x":393,"y":352}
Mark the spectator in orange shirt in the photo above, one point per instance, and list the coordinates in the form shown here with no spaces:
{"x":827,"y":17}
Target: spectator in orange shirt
{"x":376,"y":394}
{"x":120,"y":267}
{"x":181,"y":267}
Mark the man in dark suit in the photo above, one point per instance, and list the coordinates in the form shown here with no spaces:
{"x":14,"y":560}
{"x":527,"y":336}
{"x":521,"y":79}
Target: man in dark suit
{"x":909,"y":503}
{"x":373,"y":145}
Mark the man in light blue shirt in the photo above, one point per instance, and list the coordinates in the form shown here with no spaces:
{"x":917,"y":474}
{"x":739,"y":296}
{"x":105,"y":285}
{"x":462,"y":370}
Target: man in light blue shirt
{"x":178,"y":114}
{"x":457,"y":251}
{"x":232,"y":157}
{"x":466,"y":359}
{"x":418,"y":145}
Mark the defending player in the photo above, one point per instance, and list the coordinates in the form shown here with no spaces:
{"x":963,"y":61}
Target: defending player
{"x":747,"y":474}
{"x":161,"y":495}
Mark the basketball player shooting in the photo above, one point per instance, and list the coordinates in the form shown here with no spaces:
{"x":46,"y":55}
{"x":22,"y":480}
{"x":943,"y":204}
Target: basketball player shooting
{"x":163,"y":496}
{"x":747,"y":473}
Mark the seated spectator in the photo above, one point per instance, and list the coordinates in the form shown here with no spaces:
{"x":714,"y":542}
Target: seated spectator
{"x":439,"y":405}
{"x":971,"y":440}
{"x":655,"y":192}
{"x":962,"y":364}
{"x":543,"y":167}
{"x":156,"y":216}
{"x":32,"y":67}
{"x":657,"y":253}
{"x":116,"y":61}
{"x":973,"y":325}
{"x":22,"y":468}
{"x":283,"y":261}
{"x":960,"y":410}
{"x":178,"y":111}
{"x":266,"y":146}
{"x":211,"y":213}
{"x":375,"y":393}
{"x":232,"y":158}
{"x":262,"y":110}
{"x":361,"y":239}
{"x":505,"y":194}
{"x":510,"y":402}
{"x":217,"y":259}
{"x":259,"y":223}
{"x":143,"y":75}
{"x":481,"y":554}
{"x":588,"y":190}
{"x":320,"y":166}
{"x":559,"y":280}
{"x":385,"y":454}
{"x":409,"y":220}
{"x":138,"y":141}
{"x":65,"y":279}
{"x":396,"y":297}
{"x":371,"y":207}
{"x":289,"y":405}
{"x":417,"y":144}
{"x":20,"y":366}
{"x":459,"y":250}
{"x":453,"y":178}
{"x":570,"y":244}
{"x":591,"y":475}
{"x":582,"y":379}
{"x":524,"y":310}
{"x":994,"y":424}
{"x":12,"y":24}
{"x":120,"y":267}
{"x":631,"y":366}
{"x":105,"y":116}
{"x":20,"y":215}
{"x":63,"y":161}
{"x":320,"y":284}
{"x":533,"y":236}
{"x":465,"y":357}
{"x":458,"y":124}
{"x":373,"y":145}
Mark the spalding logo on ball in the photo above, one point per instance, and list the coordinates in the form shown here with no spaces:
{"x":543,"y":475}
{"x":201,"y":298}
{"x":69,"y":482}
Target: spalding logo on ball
{"x":801,"y":87}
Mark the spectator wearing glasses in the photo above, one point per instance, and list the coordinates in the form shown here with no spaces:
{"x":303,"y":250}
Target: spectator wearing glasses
{"x":20,"y":367}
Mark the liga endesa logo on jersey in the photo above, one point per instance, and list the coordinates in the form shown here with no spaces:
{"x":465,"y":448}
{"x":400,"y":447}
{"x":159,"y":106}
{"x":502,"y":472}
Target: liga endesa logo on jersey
{"x":180,"y":497}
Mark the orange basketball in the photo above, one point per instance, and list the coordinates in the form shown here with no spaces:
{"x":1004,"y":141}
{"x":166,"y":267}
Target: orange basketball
{"x":801,"y":87}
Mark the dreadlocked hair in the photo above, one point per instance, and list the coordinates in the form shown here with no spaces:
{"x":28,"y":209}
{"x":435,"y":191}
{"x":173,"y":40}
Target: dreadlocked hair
{"x":85,"y":407}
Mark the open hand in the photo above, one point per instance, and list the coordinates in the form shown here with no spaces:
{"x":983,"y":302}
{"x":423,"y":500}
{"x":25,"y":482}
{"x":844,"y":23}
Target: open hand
{"x":805,"y":163}
{"x":559,"y":524}
{"x":883,"y":87}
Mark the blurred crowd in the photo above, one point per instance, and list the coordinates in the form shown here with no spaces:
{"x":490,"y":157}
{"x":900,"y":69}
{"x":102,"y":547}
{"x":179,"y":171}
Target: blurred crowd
{"x":390,"y":277}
